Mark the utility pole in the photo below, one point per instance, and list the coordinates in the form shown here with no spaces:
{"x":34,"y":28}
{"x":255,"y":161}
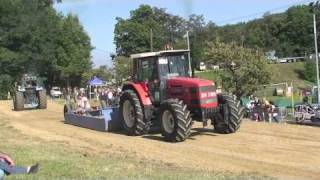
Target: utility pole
{"x":151,"y":40}
{"x":317,"y":55}
{"x":189,"y":56}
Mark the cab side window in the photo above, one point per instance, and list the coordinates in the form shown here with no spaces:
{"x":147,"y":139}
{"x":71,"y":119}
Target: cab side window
{"x":146,"y":69}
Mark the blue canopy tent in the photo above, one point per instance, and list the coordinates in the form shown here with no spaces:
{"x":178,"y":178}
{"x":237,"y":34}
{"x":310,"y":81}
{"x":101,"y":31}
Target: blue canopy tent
{"x":94,"y":82}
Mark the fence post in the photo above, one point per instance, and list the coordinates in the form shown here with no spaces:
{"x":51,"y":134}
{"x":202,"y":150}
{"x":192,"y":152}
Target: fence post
{"x":292,"y":99}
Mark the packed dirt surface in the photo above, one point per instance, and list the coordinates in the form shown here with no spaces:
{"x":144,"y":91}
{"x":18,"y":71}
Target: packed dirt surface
{"x":280,"y":150}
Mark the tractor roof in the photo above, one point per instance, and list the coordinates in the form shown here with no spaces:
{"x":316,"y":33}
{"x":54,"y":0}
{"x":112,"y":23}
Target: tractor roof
{"x":159,"y":53}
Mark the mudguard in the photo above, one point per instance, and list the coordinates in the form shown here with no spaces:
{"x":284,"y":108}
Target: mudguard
{"x":142,"y":91}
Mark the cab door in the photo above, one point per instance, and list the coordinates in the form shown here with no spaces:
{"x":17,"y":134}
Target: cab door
{"x":147,"y":72}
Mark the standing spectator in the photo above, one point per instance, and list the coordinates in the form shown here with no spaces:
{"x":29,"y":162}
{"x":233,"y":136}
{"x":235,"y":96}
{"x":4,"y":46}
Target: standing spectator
{"x":265,"y":109}
{"x":274,"y":112}
{"x":109,"y":97}
{"x":64,"y":93}
{"x":119,"y":90}
{"x":68,"y":93}
{"x":75,"y":93}
{"x":98,"y":95}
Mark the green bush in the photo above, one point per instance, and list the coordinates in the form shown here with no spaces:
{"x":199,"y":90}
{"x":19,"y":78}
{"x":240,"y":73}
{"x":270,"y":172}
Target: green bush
{"x":6,"y":83}
{"x":310,"y":71}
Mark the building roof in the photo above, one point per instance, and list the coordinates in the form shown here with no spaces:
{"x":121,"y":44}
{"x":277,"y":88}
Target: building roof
{"x":159,"y":53}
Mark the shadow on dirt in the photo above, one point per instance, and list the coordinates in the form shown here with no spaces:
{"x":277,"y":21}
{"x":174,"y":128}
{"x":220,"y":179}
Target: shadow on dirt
{"x":25,"y":109}
{"x":195,"y":132}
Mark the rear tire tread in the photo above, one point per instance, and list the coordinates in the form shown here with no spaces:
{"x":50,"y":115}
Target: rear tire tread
{"x":42,"y":99}
{"x":139,"y":127}
{"x":183,"y":121}
{"x":236,"y":112}
{"x":18,"y":101}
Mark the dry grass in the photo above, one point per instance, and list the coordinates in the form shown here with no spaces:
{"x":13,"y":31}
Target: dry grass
{"x":59,"y":160}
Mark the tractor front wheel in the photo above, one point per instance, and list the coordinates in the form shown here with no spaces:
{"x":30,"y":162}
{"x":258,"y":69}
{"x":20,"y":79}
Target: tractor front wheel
{"x":42,"y":95}
{"x":175,"y":120}
{"x":132,"y":113}
{"x":18,"y":101}
{"x":229,"y":117}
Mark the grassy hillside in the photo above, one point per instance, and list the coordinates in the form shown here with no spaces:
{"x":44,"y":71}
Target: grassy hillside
{"x":290,"y":72}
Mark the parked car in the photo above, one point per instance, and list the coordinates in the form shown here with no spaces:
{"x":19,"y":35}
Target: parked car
{"x":307,"y":112}
{"x":55,"y":92}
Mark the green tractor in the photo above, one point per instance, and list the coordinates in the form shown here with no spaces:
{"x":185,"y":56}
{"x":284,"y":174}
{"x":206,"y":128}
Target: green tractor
{"x":29,"y":94}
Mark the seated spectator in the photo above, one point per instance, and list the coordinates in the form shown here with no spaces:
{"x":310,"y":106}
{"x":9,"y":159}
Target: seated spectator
{"x":7,"y":167}
{"x":83,"y":103}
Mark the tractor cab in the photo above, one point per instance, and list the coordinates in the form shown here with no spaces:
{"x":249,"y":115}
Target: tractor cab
{"x":28,"y":81}
{"x":155,"y":68}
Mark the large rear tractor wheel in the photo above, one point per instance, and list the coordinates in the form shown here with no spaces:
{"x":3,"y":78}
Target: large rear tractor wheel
{"x":132,"y":114}
{"x":229,"y":117}
{"x":18,"y":101}
{"x":42,"y":99}
{"x":175,"y":120}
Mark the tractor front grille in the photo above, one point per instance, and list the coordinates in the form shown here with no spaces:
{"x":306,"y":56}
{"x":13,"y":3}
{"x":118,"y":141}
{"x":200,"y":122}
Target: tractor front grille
{"x":204,"y":113}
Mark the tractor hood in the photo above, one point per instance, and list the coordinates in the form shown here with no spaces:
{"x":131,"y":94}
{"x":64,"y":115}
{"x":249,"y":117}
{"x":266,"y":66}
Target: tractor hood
{"x":196,"y":93}
{"x":187,"y":82}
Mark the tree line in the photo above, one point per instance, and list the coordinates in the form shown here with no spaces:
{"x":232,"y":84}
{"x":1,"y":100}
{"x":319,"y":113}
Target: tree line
{"x":36,"y":39}
{"x":289,"y":33}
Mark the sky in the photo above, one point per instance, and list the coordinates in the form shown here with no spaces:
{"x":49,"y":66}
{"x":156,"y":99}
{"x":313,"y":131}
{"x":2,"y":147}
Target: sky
{"x":98,"y":16}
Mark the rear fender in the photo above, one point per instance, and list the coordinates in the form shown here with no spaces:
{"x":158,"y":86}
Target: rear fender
{"x":141,"y":90}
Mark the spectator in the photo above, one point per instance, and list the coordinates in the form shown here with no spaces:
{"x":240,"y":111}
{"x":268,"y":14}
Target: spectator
{"x":7,"y":167}
{"x":266,"y":109}
{"x":274,"y":112}
{"x":75,"y":93}
{"x":69,"y":93}
{"x":119,"y":90}
{"x":257,"y":110}
{"x":82,"y":103}
{"x":109,"y":97}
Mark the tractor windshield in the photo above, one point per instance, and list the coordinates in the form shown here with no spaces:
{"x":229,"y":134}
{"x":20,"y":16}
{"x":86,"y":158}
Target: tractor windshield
{"x":173,"y":66}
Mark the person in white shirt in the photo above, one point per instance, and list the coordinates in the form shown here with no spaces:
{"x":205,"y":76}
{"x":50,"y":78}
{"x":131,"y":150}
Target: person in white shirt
{"x":83,"y":103}
{"x":110,"y":97}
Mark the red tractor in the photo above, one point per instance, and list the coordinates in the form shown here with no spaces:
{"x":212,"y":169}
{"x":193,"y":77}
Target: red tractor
{"x":163,"y":92}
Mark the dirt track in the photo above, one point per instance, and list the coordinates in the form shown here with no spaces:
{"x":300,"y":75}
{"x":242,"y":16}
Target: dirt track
{"x":281,"y":150}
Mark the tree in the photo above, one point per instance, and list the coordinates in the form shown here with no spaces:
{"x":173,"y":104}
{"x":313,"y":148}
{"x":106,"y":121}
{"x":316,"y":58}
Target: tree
{"x":74,"y":53}
{"x":123,"y":68}
{"x":244,"y":69}
{"x":133,"y":35}
{"x":35,"y":39}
